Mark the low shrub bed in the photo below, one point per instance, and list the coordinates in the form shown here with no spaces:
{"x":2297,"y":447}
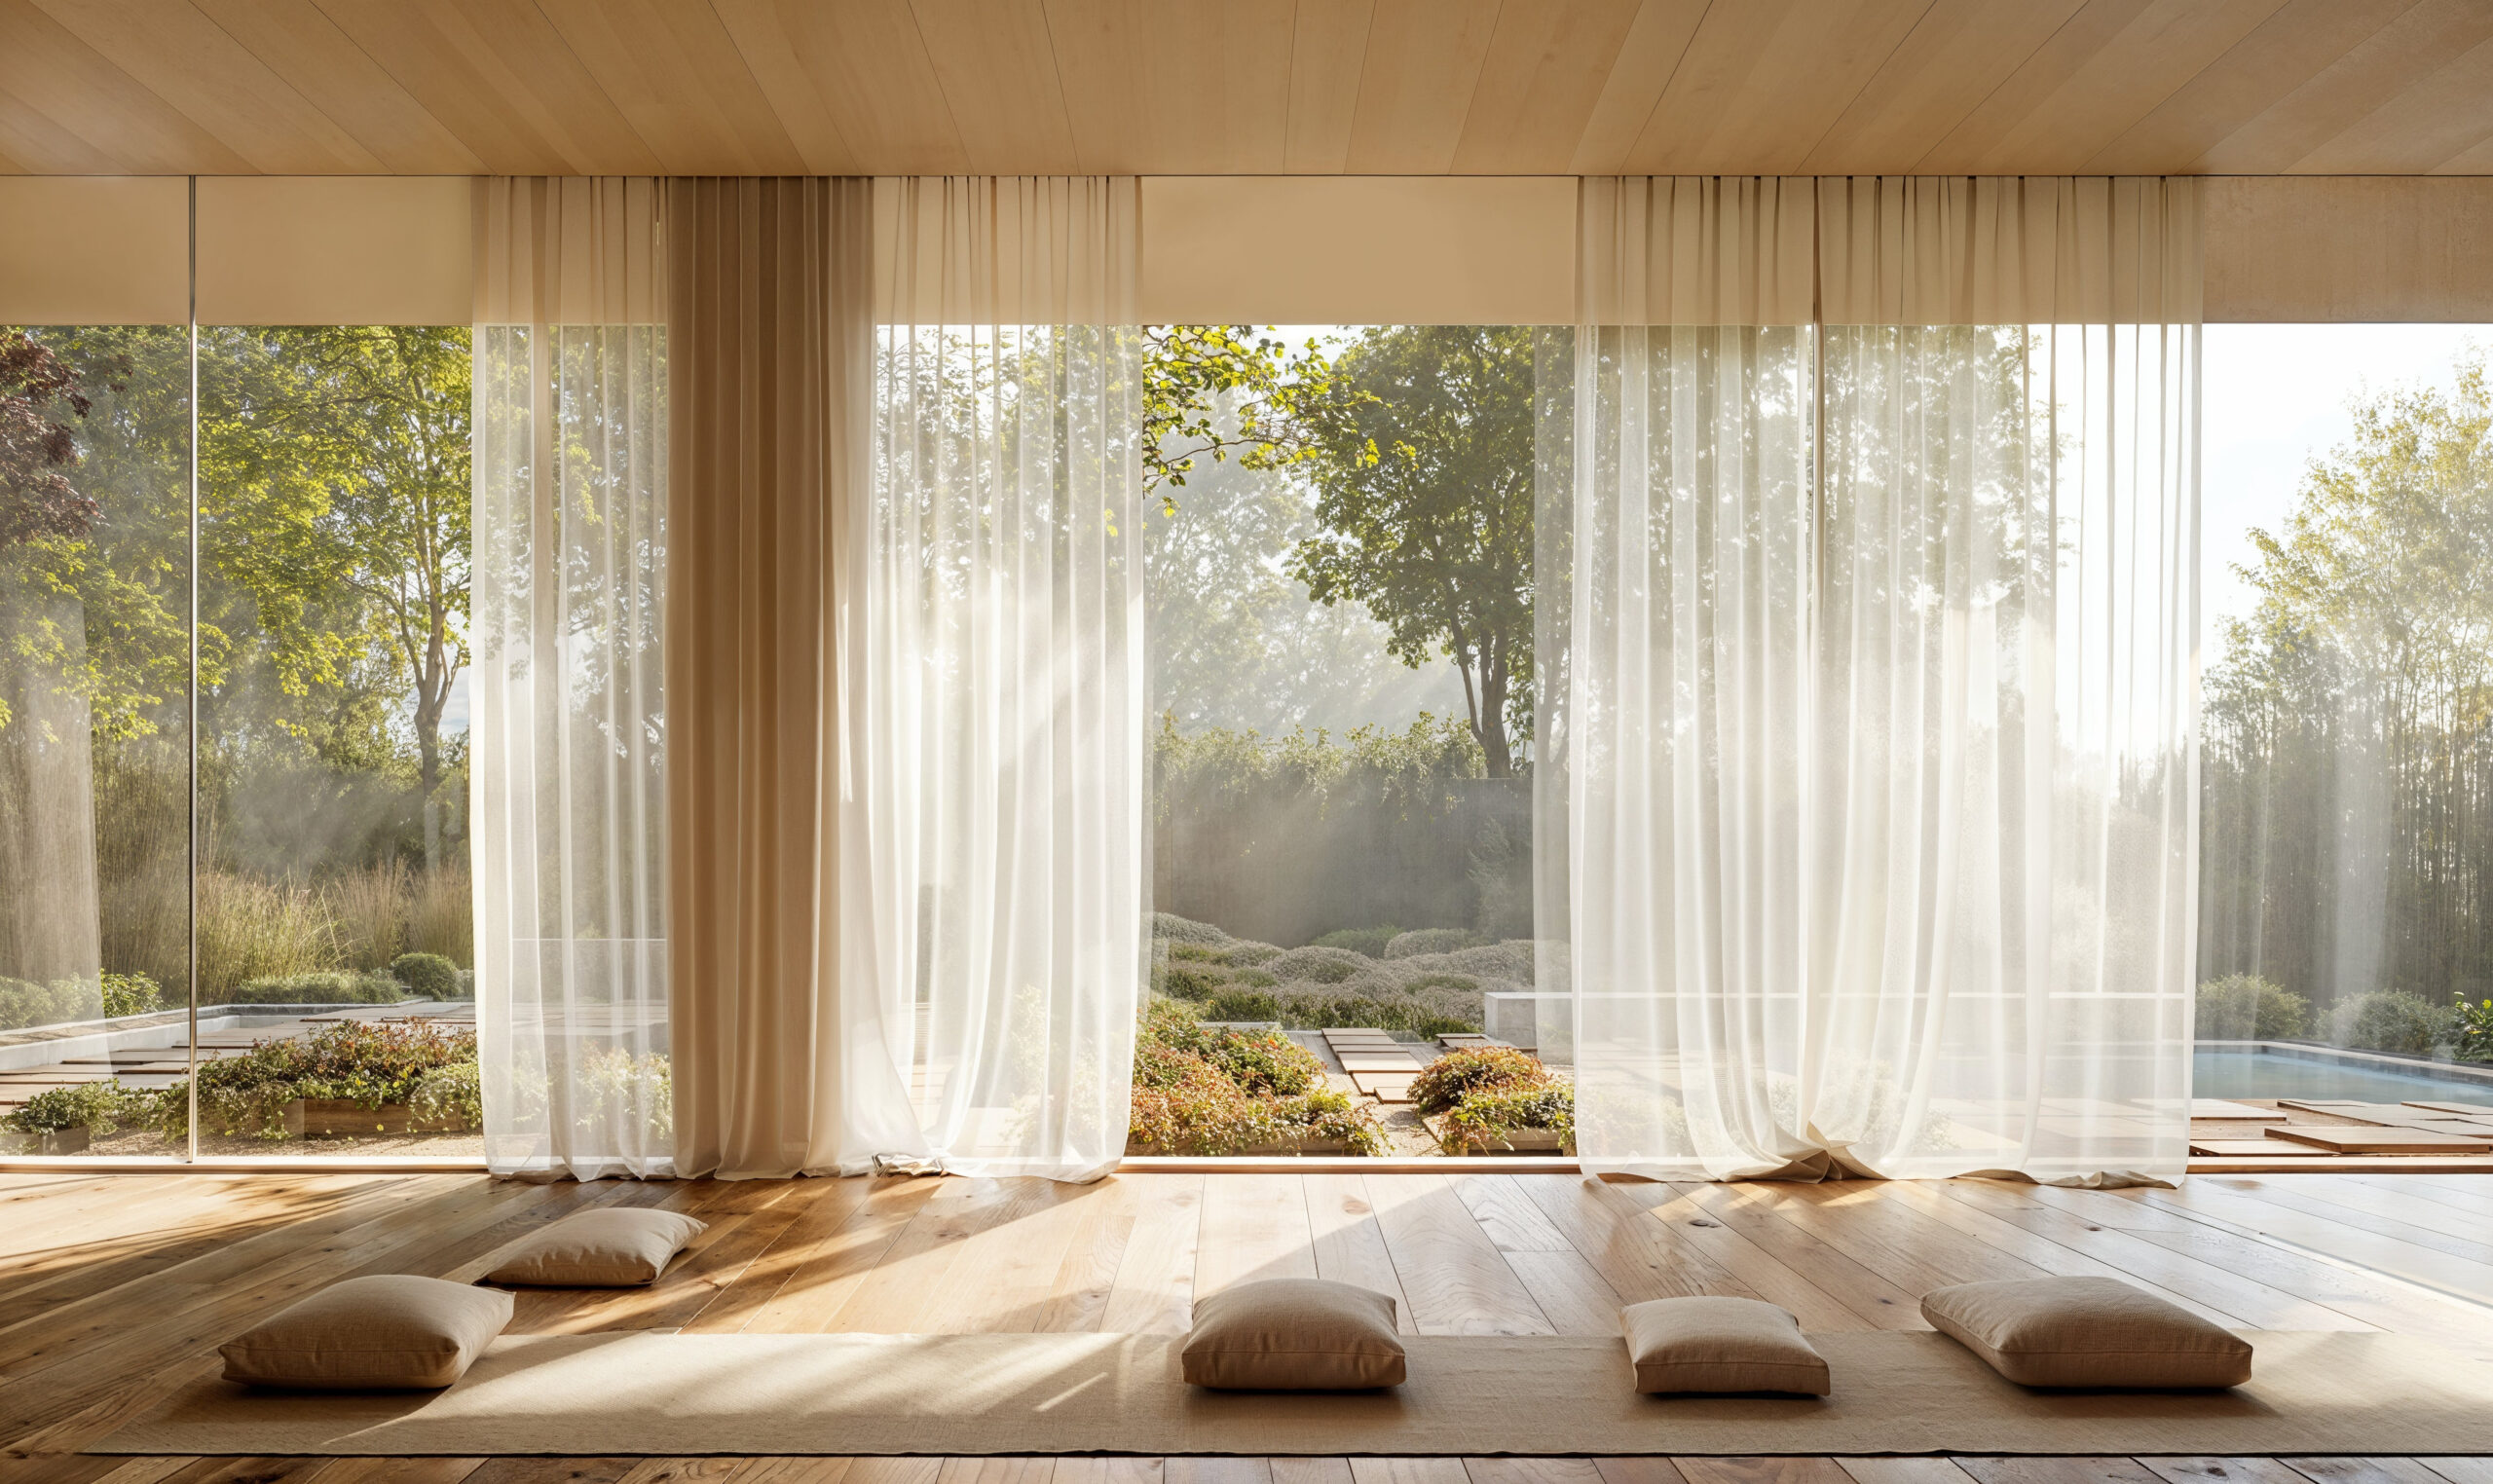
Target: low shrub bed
{"x":1210,"y":1090}
{"x":368,"y":1064}
{"x":1479,"y":1098}
{"x":320,"y":987}
{"x":1427,"y":983}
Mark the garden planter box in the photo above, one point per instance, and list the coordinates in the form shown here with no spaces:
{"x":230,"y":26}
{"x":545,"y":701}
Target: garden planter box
{"x":50,"y":1142}
{"x":1516,"y":1141}
{"x":331,"y":1117}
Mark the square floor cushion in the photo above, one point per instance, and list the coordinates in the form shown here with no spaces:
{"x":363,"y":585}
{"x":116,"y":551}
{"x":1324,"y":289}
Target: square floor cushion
{"x":388,"y":1333}
{"x":1710,"y":1345}
{"x":2087,"y":1332}
{"x":1293,"y":1334}
{"x":618,"y":1247}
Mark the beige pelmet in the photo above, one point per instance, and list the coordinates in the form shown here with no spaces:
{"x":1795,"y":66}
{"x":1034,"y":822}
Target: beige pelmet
{"x":768,"y":357}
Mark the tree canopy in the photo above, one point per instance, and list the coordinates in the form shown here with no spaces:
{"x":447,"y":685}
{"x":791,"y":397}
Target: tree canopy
{"x":1420,"y":450}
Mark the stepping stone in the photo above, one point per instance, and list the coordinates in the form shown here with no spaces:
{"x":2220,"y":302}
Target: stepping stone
{"x":2218,"y":1108}
{"x":2252,"y":1148}
{"x":1355,"y":1063}
{"x":1383,"y":1087}
{"x":2461,"y":1109}
{"x":2383,"y":1140}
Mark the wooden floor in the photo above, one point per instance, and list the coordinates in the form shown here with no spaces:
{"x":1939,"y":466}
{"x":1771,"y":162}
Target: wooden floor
{"x":113,"y":1287}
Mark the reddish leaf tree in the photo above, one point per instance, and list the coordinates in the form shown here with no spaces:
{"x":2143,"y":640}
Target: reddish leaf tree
{"x":37,"y":448}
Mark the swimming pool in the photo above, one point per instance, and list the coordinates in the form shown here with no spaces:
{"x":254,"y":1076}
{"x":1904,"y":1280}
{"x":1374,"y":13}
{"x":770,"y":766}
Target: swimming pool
{"x":2232,"y":1071}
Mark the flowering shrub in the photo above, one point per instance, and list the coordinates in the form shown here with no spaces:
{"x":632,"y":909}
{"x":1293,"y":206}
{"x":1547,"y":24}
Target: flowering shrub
{"x":360,"y":1062}
{"x":1489,"y":1120}
{"x":98,"y":1107}
{"x":2471,"y":1027}
{"x":1205,"y":1090}
{"x":1459,"y":1074}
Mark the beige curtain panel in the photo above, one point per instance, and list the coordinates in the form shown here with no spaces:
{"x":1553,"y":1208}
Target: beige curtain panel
{"x":769,"y":355}
{"x":568,"y":695}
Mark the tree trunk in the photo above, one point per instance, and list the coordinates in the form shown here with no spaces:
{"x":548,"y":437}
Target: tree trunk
{"x":1490,"y":727}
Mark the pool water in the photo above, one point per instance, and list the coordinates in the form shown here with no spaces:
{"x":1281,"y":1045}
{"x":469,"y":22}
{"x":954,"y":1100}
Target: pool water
{"x":2227,"y":1073}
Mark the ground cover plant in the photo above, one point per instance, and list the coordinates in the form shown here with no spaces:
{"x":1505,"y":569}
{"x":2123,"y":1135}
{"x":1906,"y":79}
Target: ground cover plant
{"x":1212,"y":1090}
{"x":368,"y":1063}
{"x":1485,"y":1094}
{"x":1424,"y":983}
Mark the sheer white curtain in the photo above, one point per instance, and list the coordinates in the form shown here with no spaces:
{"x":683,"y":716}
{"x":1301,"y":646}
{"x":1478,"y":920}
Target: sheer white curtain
{"x":992,"y":830}
{"x":567,"y":734}
{"x":1873,"y":716}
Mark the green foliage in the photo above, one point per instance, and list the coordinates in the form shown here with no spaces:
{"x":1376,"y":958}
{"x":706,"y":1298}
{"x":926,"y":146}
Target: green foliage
{"x":1420,"y":451}
{"x":1190,"y":980}
{"x":1461,"y":1073}
{"x":1204,"y":1089}
{"x":368,"y":1063}
{"x":448,"y":1096}
{"x":2393,"y":1020}
{"x":1368,"y":943}
{"x":1421,"y":941}
{"x":428,"y":975}
{"x":1192,"y":372}
{"x":2472,"y":1030}
{"x":24,"y":1003}
{"x":2343,"y":732}
{"x":1488,"y":1120}
{"x":2244,"y":1007}
{"x":619,"y":1087}
{"x":99,"y":1107}
{"x":320,"y":987}
{"x":1243,"y":1004}
{"x":130,"y":994}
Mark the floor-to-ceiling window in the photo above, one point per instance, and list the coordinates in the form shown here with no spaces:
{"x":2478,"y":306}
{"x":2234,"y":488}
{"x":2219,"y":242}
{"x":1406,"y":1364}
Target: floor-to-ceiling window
{"x":2346,"y":861}
{"x":1341,"y":627}
{"x":95,"y":734}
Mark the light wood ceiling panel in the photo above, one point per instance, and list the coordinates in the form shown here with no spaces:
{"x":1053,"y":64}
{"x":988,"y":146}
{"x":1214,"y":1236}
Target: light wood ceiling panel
{"x":2287,"y":49}
{"x":1422,"y":64}
{"x":677,"y":77}
{"x":996,"y":65}
{"x":295,"y":41}
{"x":2429,"y":126}
{"x":1327,"y":50}
{"x":500,"y":78}
{"x":1765,"y":81}
{"x":191,"y":63}
{"x":1647,"y":62}
{"x":77,"y":111}
{"x":1153,"y":86}
{"x":2060,"y":109}
{"x":2339,"y":95}
{"x":865,"y":62}
{"x":1547,"y":62}
{"x":1246,"y":87}
{"x":1958,"y":55}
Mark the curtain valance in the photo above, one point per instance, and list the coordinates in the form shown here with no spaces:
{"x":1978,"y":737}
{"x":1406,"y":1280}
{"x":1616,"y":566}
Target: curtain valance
{"x":1770,"y":250}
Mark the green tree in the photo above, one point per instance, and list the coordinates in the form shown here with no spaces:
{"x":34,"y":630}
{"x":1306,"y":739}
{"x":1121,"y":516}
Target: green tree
{"x":2349,"y":731}
{"x":1420,"y":448}
{"x":335,"y":496}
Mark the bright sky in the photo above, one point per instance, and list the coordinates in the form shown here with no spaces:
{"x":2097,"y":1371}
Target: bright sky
{"x":2274,"y":396}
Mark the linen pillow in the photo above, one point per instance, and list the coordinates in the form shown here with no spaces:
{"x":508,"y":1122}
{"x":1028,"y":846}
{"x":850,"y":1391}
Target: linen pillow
{"x":1293,"y":1334}
{"x":389,"y":1333}
{"x":1716,"y":1345}
{"x":617,"y":1248}
{"x":2086,"y":1331}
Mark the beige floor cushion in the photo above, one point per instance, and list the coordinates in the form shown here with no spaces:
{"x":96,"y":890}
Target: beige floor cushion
{"x":2087,"y":1332}
{"x":1717,"y":1345}
{"x":394,"y":1333}
{"x":1293,"y":1334}
{"x":617,"y":1247}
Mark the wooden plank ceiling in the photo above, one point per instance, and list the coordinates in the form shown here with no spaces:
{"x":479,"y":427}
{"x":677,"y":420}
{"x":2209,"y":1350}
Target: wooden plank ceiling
{"x":1246,"y":87}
